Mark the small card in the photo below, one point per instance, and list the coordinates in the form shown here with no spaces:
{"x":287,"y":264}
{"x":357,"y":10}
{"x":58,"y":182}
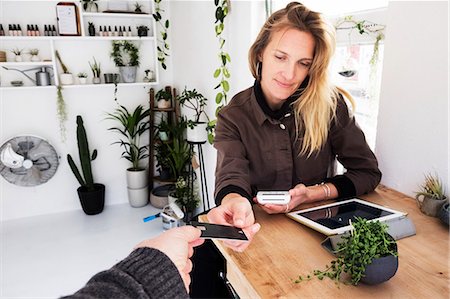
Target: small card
{"x":217,"y":231}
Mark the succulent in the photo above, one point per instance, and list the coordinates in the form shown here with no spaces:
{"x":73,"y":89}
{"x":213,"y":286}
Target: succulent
{"x":432,"y":187}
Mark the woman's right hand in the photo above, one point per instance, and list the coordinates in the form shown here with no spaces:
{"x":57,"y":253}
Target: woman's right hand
{"x":235,"y":211}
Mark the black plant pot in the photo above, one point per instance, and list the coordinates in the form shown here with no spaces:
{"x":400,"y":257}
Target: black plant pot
{"x":381,"y":269}
{"x":164,"y":173}
{"x":142,"y":32}
{"x":92,"y":202}
{"x":91,"y":31}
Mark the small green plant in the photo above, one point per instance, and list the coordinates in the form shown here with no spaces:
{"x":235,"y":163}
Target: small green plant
{"x":87,"y":179}
{"x":194,"y":101}
{"x":367,"y":241}
{"x":163,"y":45}
{"x":137,"y":7}
{"x":17,"y":51}
{"x":95,"y":68}
{"x":34,"y":51}
{"x":186,"y":198}
{"x":82,"y":75}
{"x":125,"y":53}
{"x":163,"y":94}
{"x":88,"y":3}
{"x":63,"y":66}
{"x":133,"y":125}
{"x":432,"y":187}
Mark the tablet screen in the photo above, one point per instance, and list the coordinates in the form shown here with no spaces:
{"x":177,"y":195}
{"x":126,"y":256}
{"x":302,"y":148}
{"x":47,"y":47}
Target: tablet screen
{"x":339,"y":216}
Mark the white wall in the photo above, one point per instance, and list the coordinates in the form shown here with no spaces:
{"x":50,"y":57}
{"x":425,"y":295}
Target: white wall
{"x":413,"y":129}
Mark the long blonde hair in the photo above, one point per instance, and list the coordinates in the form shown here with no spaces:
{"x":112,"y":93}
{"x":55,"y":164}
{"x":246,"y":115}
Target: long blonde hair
{"x":316,"y":106}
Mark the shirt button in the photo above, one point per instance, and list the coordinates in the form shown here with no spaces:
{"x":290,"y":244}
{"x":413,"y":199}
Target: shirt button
{"x":283,"y":127}
{"x":287,"y":115}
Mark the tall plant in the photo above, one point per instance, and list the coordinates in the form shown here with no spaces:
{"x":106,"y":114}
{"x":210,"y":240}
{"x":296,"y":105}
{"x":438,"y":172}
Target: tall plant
{"x":133,"y":125}
{"x":87,"y":179}
{"x":163,"y":45}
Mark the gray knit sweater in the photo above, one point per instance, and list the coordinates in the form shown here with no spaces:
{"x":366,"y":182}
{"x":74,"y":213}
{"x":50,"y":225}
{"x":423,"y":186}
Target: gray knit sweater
{"x":145,"y":273}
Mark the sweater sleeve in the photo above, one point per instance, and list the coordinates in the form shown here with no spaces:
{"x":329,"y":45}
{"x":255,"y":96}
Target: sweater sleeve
{"x":145,"y":273}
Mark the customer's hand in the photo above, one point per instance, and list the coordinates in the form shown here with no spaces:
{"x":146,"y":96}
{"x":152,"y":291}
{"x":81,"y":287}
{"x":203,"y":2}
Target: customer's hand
{"x":235,"y":211}
{"x":177,"y":244}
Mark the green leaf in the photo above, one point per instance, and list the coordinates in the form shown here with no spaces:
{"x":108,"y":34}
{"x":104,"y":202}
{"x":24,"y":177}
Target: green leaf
{"x":219,"y":98}
{"x":163,"y":66}
{"x":225,"y":85}
{"x":228,"y":57}
{"x":167,"y":24}
{"x":226,"y":73}
{"x":221,"y":43}
{"x":217,"y":73}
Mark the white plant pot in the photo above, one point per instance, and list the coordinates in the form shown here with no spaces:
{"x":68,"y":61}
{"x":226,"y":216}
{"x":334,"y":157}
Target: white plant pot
{"x":137,"y":179}
{"x":138,"y":197}
{"x":35,"y":58}
{"x":66,"y":79}
{"x":163,"y":136}
{"x":198,"y":133}
{"x":128,"y":73}
{"x":82,"y":80}
{"x":162,"y":104}
{"x":18,"y":58}
{"x":96,"y":80}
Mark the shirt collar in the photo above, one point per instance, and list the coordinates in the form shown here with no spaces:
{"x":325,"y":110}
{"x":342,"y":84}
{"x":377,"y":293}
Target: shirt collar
{"x":265,"y":112}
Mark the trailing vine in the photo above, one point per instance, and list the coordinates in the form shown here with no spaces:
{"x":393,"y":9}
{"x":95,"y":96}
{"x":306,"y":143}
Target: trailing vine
{"x":61,"y":112}
{"x":120,"y":48}
{"x":222,"y":72}
{"x":163,"y":46}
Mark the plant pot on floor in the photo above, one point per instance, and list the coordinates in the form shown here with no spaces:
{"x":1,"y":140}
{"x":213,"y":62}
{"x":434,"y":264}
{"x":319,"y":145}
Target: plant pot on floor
{"x":159,"y":196}
{"x":429,"y":205}
{"x":198,"y":133}
{"x":128,"y":74}
{"x":137,"y":179}
{"x":92,"y":202}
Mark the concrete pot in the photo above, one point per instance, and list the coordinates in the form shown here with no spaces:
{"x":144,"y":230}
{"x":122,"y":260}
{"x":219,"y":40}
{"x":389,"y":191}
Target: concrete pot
{"x":138,"y":197}
{"x":429,"y":205}
{"x":128,"y":73}
{"x":137,"y":179}
{"x":66,"y":79}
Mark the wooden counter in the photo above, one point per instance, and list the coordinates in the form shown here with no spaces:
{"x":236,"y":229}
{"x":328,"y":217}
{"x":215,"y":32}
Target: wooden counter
{"x":284,"y":249}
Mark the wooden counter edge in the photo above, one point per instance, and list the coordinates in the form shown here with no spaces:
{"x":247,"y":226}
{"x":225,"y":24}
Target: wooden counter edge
{"x":237,"y":279}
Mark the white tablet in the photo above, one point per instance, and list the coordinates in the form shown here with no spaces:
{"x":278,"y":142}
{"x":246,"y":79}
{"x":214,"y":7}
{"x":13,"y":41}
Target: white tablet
{"x":333,"y":219}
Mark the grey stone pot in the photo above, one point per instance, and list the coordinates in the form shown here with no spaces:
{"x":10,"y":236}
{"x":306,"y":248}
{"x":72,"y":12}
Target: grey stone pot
{"x":429,"y":205}
{"x":381,"y":269}
{"x":128,"y":74}
{"x":444,"y":213}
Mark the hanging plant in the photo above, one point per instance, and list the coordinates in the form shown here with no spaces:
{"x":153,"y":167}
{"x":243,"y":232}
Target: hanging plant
{"x":222,"y":72}
{"x":364,"y":27}
{"x":61,"y":112}
{"x":163,"y":46}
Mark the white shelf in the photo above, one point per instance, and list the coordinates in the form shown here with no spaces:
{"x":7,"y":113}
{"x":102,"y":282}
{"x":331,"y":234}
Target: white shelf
{"x":26,"y":63}
{"x":77,"y":38}
{"x":116,"y":15}
{"x":26,"y":87}
{"x":101,"y":85}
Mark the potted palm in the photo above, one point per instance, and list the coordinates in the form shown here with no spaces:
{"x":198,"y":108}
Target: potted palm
{"x":367,"y":253}
{"x":66,"y":77}
{"x":195,"y":101}
{"x":431,"y":197}
{"x":132,"y":126}
{"x":126,"y":57}
{"x":92,"y":195}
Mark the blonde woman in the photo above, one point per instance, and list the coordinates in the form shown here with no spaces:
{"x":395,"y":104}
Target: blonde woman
{"x":287,"y":131}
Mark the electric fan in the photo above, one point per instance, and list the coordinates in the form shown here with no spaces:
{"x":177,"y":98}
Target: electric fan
{"x":27,"y":161}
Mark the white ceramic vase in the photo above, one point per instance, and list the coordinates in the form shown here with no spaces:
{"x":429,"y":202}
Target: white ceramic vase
{"x":138,"y":197}
{"x":198,"y":133}
{"x":163,"y":104}
{"x":82,"y":80}
{"x":137,"y":179}
{"x":66,"y":79}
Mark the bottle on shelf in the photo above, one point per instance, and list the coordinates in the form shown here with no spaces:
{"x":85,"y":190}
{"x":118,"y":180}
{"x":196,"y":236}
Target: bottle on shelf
{"x":36,"y":30}
{"x":19,"y":30}
{"x":2,"y":32}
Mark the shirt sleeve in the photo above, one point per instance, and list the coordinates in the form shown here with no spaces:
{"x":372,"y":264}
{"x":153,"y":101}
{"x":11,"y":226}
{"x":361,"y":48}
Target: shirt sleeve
{"x":352,"y":151}
{"x":145,"y":273}
{"x":232,"y":168}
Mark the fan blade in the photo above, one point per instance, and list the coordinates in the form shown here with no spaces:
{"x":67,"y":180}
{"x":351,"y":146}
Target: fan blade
{"x":37,"y":151}
{"x":33,"y":177}
{"x":10,"y":158}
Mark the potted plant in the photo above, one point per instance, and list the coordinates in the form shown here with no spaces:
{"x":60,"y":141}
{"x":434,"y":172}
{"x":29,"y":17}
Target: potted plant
{"x":91,"y":28}
{"x":34,"y":55}
{"x":126,"y":57}
{"x":137,"y":7}
{"x":186,"y":198}
{"x":132,"y":126}
{"x":90,"y":5}
{"x":66,"y":77}
{"x":148,"y":76}
{"x":92,"y":195}
{"x":431,"y":197}
{"x":96,"y":71}
{"x":163,"y":98}
{"x":18,"y":54}
{"x":142,"y":30}
{"x":367,"y":253}
{"x":197,"y":129}
{"x":82,"y":77}
{"x":163,"y":164}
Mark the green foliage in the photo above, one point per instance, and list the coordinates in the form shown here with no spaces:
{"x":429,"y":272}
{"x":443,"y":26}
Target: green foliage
{"x":163,"y":94}
{"x":222,"y":72}
{"x":432,"y":187}
{"x":63,"y":66}
{"x":17,"y":51}
{"x":61,"y":112}
{"x":86,"y":3}
{"x":125,"y":53}
{"x":195,"y":101}
{"x":95,"y":68}
{"x":366,"y":242}
{"x":186,"y":198}
{"x":87,"y":179}
{"x":133,"y":125}
{"x":163,"y":45}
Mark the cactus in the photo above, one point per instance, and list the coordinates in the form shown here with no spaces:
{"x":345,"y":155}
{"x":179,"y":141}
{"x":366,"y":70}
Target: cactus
{"x":85,"y":158}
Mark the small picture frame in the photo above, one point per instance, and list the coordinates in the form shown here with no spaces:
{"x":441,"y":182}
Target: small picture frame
{"x":68,"y":19}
